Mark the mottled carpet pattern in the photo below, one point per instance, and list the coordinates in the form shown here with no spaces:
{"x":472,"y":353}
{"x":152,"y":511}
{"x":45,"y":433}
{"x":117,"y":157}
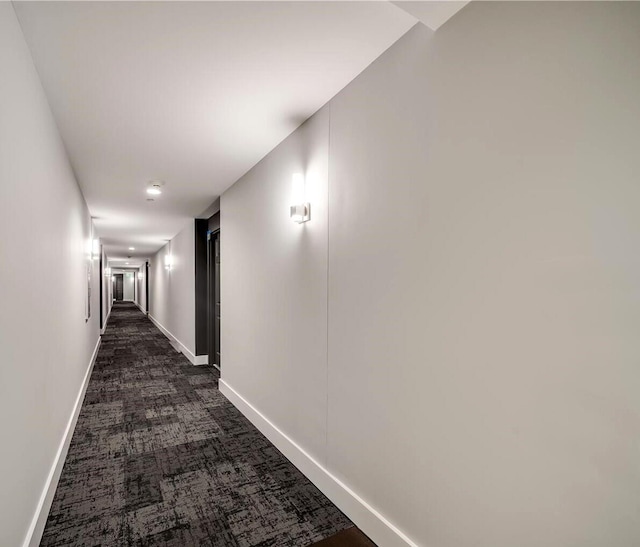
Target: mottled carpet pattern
{"x":160,"y":457}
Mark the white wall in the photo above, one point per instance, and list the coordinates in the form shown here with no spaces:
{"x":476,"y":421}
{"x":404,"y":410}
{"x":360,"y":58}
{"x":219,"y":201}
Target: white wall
{"x":274,"y":287}
{"x":107,"y":286}
{"x":45,"y":231}
{"x":128,"y":287}
{"x":172,"y":291}
{"x":141,"y":294}
{"x":481,"y":383}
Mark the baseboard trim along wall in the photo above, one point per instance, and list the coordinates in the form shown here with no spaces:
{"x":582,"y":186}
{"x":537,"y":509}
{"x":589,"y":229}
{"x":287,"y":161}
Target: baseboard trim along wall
{"x":34,"y":534}
{"x":194,"y":359}
{"x":202,"y":360}
{"x":370,"y":521}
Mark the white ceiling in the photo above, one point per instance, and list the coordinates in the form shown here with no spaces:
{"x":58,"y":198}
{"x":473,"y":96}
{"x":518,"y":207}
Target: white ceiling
{"x":193,"y":94}
{"x":124,"y":264}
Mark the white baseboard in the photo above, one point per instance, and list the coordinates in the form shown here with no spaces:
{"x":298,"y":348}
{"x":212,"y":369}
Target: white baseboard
{"x":201,"y":360}
{"x":36,"y":528}
{"x":179,"y":346}
{"x":370,"y":521}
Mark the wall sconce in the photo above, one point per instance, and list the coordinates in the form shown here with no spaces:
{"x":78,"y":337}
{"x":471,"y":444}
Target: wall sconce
{"x":96,"y":249}
{"x":300,"y":211}
{"x":168,"y":262}
{"x":107,"y":272}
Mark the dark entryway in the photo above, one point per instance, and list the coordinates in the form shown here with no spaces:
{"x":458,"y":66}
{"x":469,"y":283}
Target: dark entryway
{"x":118,"y":286}
{"x":207,"y":285}
{"x":146,"y":286}
{"x":213,"y":297}
{"x":101,"y":281}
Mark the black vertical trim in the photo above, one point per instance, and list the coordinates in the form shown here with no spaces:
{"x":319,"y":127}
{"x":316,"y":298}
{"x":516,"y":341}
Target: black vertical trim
{"x":146,"y":284}
{"x":101,"y":282}
{"x":213,"y":295}
{"x":214,"y":222}
{"x":201,"y":225}
{"x":212,"y":337}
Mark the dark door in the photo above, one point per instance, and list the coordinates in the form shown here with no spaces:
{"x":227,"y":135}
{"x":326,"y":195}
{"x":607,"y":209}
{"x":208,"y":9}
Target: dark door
{"x":101,"y":279}
{"x":118,"y":286}
{"x":146,"y":286}
{"x":213,"y":298}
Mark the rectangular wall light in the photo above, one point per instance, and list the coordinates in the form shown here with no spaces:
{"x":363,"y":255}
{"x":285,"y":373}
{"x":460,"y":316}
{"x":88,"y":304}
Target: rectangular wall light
{"x":300,"y":210}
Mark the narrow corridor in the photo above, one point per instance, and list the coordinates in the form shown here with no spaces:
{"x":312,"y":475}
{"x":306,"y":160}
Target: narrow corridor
{"x":160,"y":457}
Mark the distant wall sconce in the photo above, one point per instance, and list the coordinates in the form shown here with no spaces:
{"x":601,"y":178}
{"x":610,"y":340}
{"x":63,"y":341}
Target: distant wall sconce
{"x":300,"y":210}
{"x":107,"y":272}
{"x":168,"y":262}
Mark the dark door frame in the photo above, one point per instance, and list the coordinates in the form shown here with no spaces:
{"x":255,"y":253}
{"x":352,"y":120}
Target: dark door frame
{"x":101,"y":282}
{"x":146,"y":286}
{"x":213,"y":297}
{"x":115,"y":287}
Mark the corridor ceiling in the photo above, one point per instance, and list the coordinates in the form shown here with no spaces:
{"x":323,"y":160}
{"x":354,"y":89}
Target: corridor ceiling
{"x":189,"y":93}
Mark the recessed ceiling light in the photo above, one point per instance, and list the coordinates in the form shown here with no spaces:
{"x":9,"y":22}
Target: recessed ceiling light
{"x":126,"y":263}
{"x":155,"y":187}
{"x":132,"y":248}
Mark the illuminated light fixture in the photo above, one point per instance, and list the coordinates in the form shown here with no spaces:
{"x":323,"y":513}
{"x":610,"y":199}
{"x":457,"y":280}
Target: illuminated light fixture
{"x":107,"y":272}
{"x":126,"y":263}
{"x":300,"y":210}
{"x":132,"y":248}
{"x":96,"y":248}
{"x":168,"y":262}
{"x":154,"y":189}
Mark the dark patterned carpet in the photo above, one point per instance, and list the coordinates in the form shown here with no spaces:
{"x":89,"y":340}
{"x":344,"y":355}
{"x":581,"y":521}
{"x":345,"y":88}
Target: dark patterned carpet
{"x":160,"y":457}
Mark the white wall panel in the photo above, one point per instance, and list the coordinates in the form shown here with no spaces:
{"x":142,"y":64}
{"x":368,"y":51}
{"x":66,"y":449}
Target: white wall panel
{"x":45,"y":242}
{"x":274,"y":287}
{"x":172,"y":297}
{"x":480,"y":273}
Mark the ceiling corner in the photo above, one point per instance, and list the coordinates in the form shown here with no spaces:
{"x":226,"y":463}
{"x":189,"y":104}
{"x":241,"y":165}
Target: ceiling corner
{"x":434,"y":13}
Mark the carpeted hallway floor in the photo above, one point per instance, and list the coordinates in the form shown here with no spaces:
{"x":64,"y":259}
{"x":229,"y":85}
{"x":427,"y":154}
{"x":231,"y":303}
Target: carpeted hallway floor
{"x":160,"y":457}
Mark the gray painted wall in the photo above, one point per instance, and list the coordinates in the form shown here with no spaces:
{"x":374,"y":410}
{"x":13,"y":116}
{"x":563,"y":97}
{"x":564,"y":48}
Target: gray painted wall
{"x":172,"y":292}
{"x":128,"y":290}
{"x":274,"y":288}
{"x":454,"y":334}
{"x":141,"y":294}
{"x":45,"y":344}
{"x":107,"y":286}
